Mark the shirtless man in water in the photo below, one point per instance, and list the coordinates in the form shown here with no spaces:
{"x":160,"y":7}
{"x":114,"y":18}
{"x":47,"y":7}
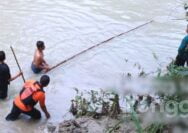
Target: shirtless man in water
{"x":39,"y":64}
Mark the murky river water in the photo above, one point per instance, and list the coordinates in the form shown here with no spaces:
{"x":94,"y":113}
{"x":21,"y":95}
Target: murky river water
{"x":70,"y":26}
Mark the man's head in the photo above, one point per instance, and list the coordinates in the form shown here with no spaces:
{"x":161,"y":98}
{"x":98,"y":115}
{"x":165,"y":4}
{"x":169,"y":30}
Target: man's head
{"x":40,"y":45}
{"x":44,"y":80}
{"x":2,"y":56}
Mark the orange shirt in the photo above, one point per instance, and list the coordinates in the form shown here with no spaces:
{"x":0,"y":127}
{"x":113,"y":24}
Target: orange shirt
{"x":37,"y":97}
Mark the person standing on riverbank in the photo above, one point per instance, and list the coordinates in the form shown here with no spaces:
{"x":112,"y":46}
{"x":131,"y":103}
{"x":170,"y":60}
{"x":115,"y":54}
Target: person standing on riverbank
{"x":5,"y":76}
{"x":29,"y":96}
{"x":39,"y":64}
{"x":182,"y":56}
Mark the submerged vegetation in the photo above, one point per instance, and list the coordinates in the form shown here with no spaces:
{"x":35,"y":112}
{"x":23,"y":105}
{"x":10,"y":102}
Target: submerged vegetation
{"x":97,"y":105}
{"x":155,"y":128}
{"x":101,"y":103}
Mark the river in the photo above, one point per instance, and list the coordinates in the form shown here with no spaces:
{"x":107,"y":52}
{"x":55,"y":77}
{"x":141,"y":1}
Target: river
{"x":70,"y":26}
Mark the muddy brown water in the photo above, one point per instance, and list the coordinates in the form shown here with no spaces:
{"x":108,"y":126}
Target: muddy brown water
{"x":70,"y":26}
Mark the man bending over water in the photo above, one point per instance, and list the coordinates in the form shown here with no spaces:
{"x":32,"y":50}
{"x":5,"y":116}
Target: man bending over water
{"x":31,"y":93}
{"x":39,"y":63}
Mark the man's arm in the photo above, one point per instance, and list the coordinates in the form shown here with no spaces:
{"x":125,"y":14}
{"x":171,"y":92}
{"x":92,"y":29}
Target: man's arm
{"x":15,"y":77}
{"x":44,"y":109}
{"x":43,"y":106}
{"x":43,"y":64}
{"x":43,"y":61}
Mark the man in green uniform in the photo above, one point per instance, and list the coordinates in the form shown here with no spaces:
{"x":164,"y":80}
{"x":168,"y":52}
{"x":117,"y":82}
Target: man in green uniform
{"x":182,"y":56}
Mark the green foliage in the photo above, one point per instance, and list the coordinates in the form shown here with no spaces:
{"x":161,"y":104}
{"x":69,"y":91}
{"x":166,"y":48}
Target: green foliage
{"x":135,"y":118}
{"x":155,"y":128}
{"x":175,"y":72}
{"x":136,"y":121}
{"x":99,"y":103}
{"x":114,"y":128}
{"x":96,"y":104}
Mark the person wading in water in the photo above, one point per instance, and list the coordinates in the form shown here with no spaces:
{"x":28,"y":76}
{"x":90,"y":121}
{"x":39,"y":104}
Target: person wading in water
{"x":182,"y":56}
{"x":5,"y":76}
{"x":29,"y":96}
{"x":39,"y":64}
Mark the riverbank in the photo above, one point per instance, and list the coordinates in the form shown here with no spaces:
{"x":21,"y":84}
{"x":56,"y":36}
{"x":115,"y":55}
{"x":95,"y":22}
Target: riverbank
{"x":102,"y":111}
{"x":90,"y":125}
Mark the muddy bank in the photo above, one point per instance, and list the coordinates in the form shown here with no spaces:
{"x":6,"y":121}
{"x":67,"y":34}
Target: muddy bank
{"x":90,"y":125}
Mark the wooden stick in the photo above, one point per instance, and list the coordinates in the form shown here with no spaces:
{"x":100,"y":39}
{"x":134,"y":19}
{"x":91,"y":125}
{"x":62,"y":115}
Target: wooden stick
{"x":84,"y":51}
{"x":179,"y":19}
{"x":17,"y":62}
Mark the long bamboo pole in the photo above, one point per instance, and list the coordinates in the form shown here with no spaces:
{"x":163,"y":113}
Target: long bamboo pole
{"x":17,"y":62}
{"x":103,"y":42}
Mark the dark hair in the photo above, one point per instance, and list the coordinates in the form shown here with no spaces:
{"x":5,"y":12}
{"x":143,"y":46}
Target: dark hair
{"x":40,"y":44}
{"x":44,"y":80}
{"x":2,"y":56}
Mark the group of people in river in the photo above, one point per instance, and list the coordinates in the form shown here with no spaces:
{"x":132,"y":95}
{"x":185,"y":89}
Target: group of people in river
{"x":32,"y":91}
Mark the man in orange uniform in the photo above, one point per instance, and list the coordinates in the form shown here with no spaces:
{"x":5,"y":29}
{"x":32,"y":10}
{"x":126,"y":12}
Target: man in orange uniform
{"x":29,"y":96}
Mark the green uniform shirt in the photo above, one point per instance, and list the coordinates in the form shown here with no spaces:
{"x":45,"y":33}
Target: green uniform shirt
{"x":184,"y":46}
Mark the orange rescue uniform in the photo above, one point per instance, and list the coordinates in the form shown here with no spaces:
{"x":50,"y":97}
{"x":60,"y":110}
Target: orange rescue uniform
{"x":37,"y":96}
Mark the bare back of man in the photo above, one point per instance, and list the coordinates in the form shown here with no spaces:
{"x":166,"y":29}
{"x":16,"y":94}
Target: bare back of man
{"x":39,"y":63}
{"x":38,"y":59}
